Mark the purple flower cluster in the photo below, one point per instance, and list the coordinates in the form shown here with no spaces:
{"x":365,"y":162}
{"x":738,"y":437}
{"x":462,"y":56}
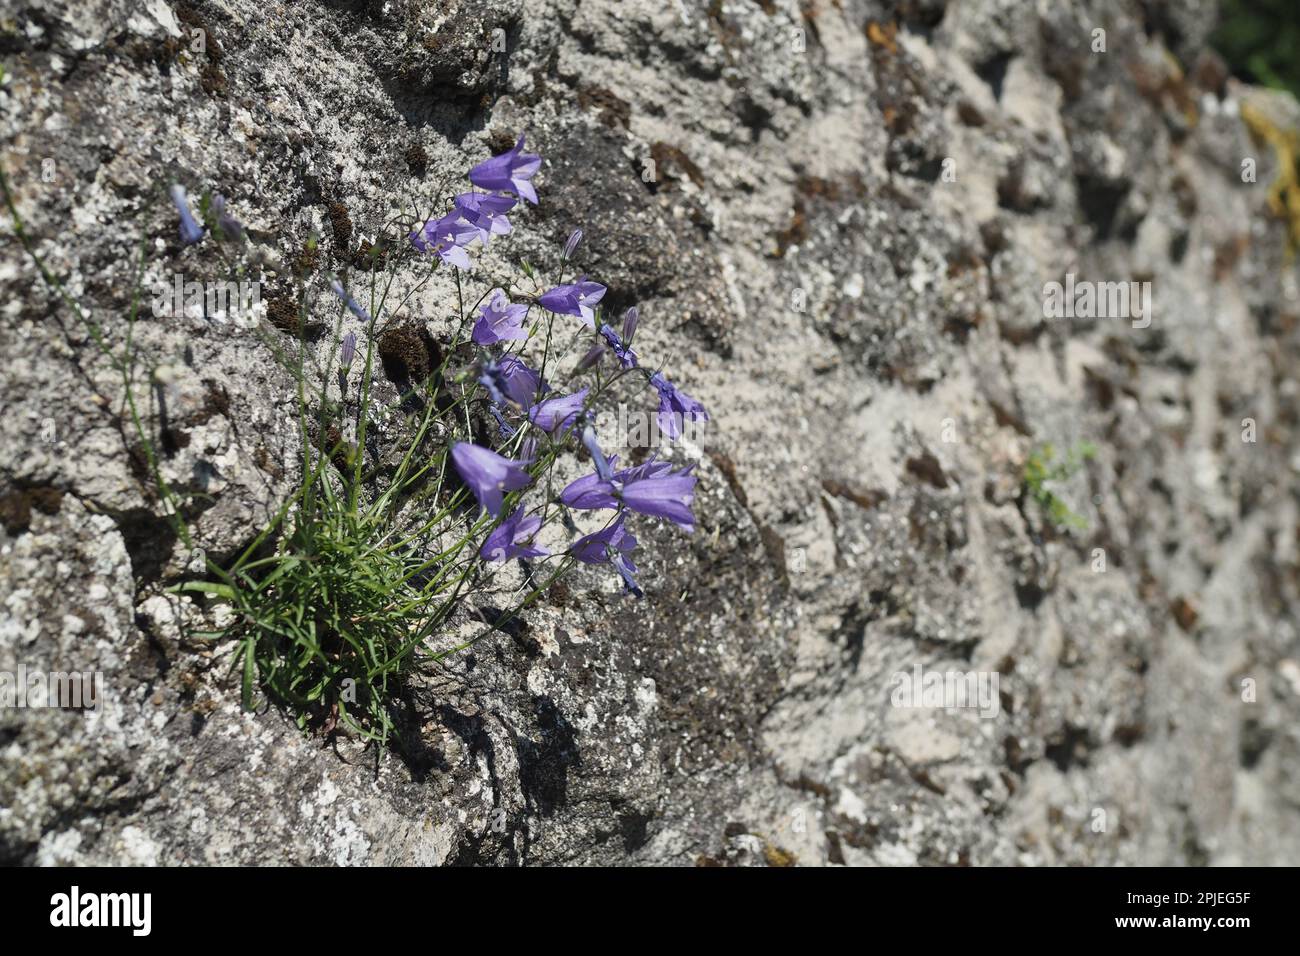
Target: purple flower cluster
{"x":519,"y":399}
{"x":481,"y":215}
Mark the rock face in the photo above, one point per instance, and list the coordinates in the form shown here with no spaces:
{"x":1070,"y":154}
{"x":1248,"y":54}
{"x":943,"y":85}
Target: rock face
{"x":838,"y":218}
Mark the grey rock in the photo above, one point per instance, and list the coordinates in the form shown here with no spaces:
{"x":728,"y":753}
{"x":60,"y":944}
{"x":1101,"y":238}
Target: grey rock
{"x":766,"y":182}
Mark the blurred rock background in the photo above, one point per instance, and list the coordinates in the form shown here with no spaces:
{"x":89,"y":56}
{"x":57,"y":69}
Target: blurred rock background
{"x":854,"y":208}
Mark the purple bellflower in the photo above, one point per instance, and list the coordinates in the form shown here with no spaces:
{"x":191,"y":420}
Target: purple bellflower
{"x":446,"y":238}
{"x":675,"y":406}
{"x":651,"y":489}
{"x":353,"y":306}
{"x":630,"y":319}
{"x":666,"y":495}
{"x":486,"y":213}
{"x":488,"y":475}
{"x":191,"y":231}
{"x":509,"y":173}
{"x":598,"y":491}
{"x":590,"y":492}
{"x":654,"y":468}
{"x":230,"y":227}
{"x":522,"y":383}
{"x":490,"y":379}
{"x":348,"y":351}
{"x":513,"y":538}
{"x":595,"y":491}
{"x":593,"y":358}
{"x":571,"y":244}
{"x":499,"y":320}
{"x":576,"y":299}
{"x":504,"y":427}
{"x":528,"y":450}
{"x":558,"y":414}
{"x":590,"y":442}
{"x":624,"y":353}
{"x":610,"y":546}
{"x":509,"y":381}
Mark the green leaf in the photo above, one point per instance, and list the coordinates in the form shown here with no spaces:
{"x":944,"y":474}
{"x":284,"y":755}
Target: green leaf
{"x":224,"y":591}
{"x":248,"y":673}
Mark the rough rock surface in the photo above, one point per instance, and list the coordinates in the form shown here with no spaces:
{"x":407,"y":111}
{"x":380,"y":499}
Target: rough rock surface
{"x":864,"y":320}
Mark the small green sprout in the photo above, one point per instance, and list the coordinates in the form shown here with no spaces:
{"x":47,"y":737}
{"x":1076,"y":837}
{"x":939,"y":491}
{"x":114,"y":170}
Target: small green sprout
{"x":1040,"y":469}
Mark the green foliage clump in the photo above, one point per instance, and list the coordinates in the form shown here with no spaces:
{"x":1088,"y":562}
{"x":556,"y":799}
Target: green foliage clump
{"x":327,"y":623}
{"x":1259,"y":39}
{"x":1042,"y":467}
